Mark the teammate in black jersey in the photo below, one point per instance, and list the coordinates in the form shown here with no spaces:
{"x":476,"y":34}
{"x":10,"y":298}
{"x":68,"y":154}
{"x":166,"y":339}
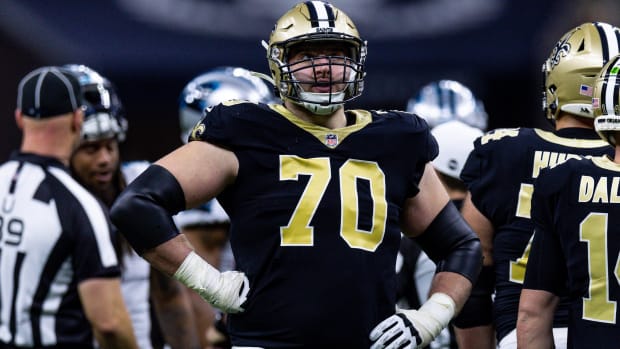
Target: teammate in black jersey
{"x":317,"y":198}
{"x":59,"y":273}
{"x":576,"y":212}
{"x":500,"y":173}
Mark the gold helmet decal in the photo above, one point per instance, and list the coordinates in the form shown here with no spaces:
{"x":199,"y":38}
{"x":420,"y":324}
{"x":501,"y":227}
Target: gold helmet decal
{"x":570,"y":70}
{"x":198,"y":130}
{"x":561,"y":49}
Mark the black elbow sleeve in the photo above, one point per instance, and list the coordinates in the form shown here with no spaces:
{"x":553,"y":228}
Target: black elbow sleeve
{"x":452,"y":244}
{"x":143,"y":212}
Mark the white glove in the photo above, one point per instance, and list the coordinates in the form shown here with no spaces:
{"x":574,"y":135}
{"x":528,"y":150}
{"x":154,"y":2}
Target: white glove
{"x":226,"y":291}
{"x":410,"y":329}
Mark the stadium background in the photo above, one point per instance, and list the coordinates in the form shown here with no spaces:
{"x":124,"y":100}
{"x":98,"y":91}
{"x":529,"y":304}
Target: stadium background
{"x":151,"y":48}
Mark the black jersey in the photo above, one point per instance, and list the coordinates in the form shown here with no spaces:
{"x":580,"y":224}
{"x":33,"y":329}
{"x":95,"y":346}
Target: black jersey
{"x":500,"y":173}
{"x":576,"y":211}
{"x":53,"y":235}
{"x":315,"y":219}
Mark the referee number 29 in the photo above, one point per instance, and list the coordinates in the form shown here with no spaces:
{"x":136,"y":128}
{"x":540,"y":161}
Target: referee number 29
{"x":11,"y":230}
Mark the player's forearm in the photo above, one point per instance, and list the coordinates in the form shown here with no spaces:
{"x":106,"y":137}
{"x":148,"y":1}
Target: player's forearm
{"x":535,"y":319}
{"x":174,"y":311}
{"x":117,"y":335}
{"x":482,"y":226}
{"x":454,"y":285}
{"x":479,"y":337}
{"x":168,"y":256}
{"x":534,"y":331}
{"x":177,"y":325}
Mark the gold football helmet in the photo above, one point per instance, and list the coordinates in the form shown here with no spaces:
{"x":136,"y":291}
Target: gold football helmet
{"x":606,"y":101}
{"x":570,"y":70}
{"x":316,"y":21}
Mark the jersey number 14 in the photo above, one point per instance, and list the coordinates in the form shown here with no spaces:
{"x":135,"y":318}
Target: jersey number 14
{"x":598,"y":307}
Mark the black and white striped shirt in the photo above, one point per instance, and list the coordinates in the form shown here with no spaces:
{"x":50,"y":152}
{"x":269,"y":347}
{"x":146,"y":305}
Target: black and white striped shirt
{"x":53,"y":235}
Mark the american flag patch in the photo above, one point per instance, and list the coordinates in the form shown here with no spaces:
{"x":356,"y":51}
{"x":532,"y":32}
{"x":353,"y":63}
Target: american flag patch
{"x":331,"y":140}
{"x":585,"y":90}
{"x":595,"y":103}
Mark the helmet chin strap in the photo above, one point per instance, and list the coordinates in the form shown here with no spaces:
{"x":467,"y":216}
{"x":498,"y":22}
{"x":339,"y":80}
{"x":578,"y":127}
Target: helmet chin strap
{"x":316,"y":103}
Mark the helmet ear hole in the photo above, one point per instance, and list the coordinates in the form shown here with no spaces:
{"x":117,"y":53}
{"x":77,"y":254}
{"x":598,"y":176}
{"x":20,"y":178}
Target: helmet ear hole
{"x":553,"y":107}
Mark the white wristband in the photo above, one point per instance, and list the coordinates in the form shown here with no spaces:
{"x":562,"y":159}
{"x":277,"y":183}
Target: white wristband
{"x":196,"y":273}
{"x":432,"y":317}
{"x":226,"y":291}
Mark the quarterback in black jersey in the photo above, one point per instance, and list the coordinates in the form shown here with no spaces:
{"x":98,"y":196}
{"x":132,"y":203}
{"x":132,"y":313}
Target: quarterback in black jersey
{"x":577,"y":239}
{"x":500,"y":173}
{"x":317,"y":198}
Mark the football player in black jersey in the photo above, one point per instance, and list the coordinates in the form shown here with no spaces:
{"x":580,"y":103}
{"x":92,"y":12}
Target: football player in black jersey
{"x":577,"y":239}
{"x":317,"y":198}
{"x":500,"y":173}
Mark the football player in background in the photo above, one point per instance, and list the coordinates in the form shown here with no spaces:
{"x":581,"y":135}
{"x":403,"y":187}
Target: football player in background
{"x":448,"y":100}
{"x":206,"y":226}
{"x":317,"y":198}
{"x":577,"y":239}
{"x":454,"y":115}
{"x":96,"y":164}
{"x":500,"y":173}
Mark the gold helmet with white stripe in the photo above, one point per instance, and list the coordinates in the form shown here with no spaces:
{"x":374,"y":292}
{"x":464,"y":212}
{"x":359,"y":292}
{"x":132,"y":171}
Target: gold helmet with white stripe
{"x":570,"y":71}
{"x":310,"y":22}
{"x":606,"y":101}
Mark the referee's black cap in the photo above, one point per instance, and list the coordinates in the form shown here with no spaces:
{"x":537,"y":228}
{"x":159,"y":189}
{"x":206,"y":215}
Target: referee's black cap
{"x":48,"y":91}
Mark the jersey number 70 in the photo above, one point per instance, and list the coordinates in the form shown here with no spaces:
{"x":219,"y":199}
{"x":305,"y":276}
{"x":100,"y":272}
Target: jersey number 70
{"x":299,"y":232}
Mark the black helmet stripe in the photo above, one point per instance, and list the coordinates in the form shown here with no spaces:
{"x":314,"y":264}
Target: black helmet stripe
{"x":615,"y":66}
{"x":616,"y":97}
{"x":452,"y":98}
{"x":603,"y":97}
{"x":611,"y":86}
{"x":609,"y":40}
{"x":321,"y":14}
{"x":601,"y":34}
{"x":616,"y":92}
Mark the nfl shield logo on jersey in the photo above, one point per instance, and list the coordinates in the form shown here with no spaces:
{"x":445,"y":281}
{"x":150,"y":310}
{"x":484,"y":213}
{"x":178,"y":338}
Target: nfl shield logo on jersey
{"x":331,"y":140}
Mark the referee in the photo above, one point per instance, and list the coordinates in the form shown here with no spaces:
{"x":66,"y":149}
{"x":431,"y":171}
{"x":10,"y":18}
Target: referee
{"x":59,"y":274}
